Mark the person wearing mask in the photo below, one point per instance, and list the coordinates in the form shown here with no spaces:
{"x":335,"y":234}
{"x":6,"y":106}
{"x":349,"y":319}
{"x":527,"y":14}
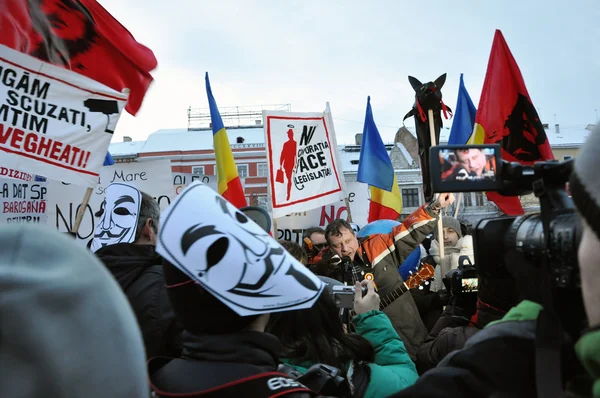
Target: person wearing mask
{"x":501,"y":359}
{"x":138,"y":269}
{"x":374,"y":359}
{"x":379,"y":256}
{"x":225,"y":276}
{"x":67,"y":329}
{"x":456,"y":247}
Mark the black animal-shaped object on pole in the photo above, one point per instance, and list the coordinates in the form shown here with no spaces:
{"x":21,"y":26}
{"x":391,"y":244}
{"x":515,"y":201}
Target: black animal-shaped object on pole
{"x":427,"y":96}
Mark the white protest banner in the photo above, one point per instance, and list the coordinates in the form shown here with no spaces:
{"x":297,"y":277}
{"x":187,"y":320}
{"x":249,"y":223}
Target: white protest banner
{"x":292,"y":226}
{"x":23,"y":202}
{"x":182,"y":180}
{"x":152,"y":177}
{"x":16,"y":174}
{"x":54,"y":122}
{"x":303,"y":167}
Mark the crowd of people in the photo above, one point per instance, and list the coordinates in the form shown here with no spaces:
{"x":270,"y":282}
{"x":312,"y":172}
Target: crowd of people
{"x":132,"y":319}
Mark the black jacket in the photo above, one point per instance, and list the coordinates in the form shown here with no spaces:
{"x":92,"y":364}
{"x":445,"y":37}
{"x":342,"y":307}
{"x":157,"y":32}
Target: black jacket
{"x":210,"y":361}
{"x":450,"y":333}
{"x":499,"y":361}
{"x":138,"y":270}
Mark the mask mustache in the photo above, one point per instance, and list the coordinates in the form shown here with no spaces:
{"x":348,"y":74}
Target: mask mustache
{"x":106,"y":234}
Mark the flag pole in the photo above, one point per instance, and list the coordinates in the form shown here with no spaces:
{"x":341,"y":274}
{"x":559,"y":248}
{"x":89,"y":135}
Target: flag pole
{"x":440,"y":226}
{"x":458,"y":200}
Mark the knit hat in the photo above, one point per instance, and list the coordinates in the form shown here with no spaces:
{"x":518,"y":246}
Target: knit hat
{"x":450,"y":222}
{"x":585,"y":184}
{"x":67,"y":328}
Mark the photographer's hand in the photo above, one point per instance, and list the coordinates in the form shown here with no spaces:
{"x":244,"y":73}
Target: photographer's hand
{"x":367,"y":303}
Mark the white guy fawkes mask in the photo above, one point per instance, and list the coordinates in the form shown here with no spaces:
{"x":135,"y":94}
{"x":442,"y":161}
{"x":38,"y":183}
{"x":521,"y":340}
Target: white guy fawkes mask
{"x":120,"y":213}
{"x":233,"y":258}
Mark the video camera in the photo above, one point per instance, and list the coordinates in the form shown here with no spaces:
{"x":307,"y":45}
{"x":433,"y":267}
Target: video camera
{"x":552,"y":235}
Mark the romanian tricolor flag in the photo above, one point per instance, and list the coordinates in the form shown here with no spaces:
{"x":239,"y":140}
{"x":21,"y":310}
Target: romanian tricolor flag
{"x":230,"y":185}
{"x":375,"y":168}
{"x":507,"y":117}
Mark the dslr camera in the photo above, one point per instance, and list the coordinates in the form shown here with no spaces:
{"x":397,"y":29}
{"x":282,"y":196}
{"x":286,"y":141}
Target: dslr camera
{"x":462,"y":281}
{"x":552,"y":235}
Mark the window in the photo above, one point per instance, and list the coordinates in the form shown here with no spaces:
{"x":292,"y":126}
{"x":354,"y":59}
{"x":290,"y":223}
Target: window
{"x":467,"y":199}
{"x":479,"y":199}
{"x":198,"y":170}
{"x":263,"y":170}
{"x":410,"y":197}
{"x":263,"y":202}
{"x":567,"y":157}
{"x":242,"y":170}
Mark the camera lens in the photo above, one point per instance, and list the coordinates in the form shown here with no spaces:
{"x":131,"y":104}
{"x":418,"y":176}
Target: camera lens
{"x":527,"y":235}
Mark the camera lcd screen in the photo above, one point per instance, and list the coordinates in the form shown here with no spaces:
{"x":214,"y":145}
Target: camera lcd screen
{"x":464,"y":168}
{"x":469,"y":285}
{"x":468,"y":164}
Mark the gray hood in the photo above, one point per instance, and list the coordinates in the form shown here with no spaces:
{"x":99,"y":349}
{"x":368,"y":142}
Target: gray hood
{"x":66,"y":329}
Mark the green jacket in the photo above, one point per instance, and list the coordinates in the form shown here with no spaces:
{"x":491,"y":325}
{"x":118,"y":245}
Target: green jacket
{"x":587,"y":348}
{"x":393,"y":369}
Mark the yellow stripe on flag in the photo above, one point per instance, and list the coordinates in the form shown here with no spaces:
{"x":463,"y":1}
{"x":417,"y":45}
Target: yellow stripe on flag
{"x":478,"y":135}
{"x":392,"y":200}
{"x":226,"y":168}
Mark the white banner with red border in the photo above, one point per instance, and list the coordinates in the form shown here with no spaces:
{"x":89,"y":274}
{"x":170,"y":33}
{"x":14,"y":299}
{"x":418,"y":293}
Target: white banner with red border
{"x":304,"y":170}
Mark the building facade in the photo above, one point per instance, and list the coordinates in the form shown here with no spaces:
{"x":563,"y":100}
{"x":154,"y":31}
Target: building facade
{"x":190,"y":150}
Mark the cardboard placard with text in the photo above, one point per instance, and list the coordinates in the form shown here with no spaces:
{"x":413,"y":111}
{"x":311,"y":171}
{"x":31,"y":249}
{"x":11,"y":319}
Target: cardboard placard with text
{"x":54,"y":122}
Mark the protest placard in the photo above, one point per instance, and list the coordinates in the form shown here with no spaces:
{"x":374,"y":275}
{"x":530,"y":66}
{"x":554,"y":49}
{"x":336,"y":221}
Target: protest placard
{"x":304,"y":169}
{"x":23,"y":201}
{"x":152,"y":177}
{"x":54,"y":122}
{"x":292,"y":226}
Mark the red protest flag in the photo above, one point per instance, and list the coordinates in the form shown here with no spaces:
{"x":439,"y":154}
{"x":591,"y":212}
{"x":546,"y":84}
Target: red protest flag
{"x":82,"y":36}
{"x":506,"y":116}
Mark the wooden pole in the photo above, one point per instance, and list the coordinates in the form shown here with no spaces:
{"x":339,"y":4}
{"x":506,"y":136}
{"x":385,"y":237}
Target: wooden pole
{"x":81,"y":210}
{"x":440,"y":226}
{"x":348,"y":209}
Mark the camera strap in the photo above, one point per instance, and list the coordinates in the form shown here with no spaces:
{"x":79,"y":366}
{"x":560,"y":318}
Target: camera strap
{"x":549,"y":331}
{"x":271,"y":384}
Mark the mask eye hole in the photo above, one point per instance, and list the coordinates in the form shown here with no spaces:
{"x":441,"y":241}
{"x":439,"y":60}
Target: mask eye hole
{"x":241,"y":218}
{"x":122,"y":211}
{"x":216,"y":252}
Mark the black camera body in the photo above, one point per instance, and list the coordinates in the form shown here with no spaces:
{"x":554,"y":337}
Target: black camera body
{"x":464,"y":280}
{"x":552,"y":235}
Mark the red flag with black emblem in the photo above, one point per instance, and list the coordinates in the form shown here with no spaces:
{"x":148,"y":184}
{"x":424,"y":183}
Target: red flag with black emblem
{"x":82,"y":36}
{"x":506,"y":116}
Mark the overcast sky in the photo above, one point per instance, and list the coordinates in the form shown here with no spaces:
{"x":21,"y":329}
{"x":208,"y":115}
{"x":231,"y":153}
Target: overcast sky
{"x":305,"y":53}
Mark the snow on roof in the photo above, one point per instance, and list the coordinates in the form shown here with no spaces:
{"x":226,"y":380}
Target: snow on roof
{"x":405,"y":153}
{"x":126,"y":148}
{"x":350,"y":154}
{"x":193,"y":140}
